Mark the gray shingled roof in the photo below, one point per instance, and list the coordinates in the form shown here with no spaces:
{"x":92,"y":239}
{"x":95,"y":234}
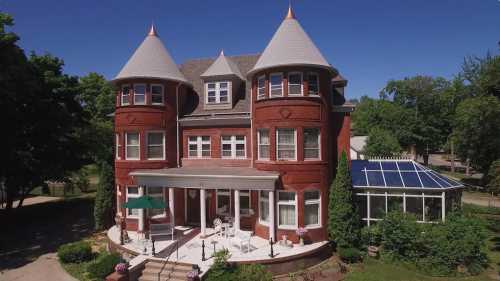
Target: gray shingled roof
{"x":151,"y":60}
{"x":290,"y":45}
{"x":222,"y":66}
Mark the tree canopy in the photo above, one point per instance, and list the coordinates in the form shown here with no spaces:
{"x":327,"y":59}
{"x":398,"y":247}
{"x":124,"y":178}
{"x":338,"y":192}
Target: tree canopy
{"x":381,"y":143}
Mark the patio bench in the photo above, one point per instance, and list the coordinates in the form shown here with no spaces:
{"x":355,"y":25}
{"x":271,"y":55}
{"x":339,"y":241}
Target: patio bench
{"x":242,"y":238}
{"x":161,"y":229}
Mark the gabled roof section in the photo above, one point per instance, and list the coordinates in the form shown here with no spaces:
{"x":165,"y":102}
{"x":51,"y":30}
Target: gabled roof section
{"x":151,"y":60}
{"x":222,"y":66}
{"x":290,"y":45}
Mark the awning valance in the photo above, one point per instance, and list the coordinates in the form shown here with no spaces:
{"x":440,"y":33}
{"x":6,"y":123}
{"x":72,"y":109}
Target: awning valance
{"x":208,"y":178}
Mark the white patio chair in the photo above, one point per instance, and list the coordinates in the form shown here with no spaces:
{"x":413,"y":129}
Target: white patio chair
{"x":218,"y":227}
{"x":242,"y":239}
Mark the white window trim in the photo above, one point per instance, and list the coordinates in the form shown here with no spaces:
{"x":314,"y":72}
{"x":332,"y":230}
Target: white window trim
{"x":140,"y":84}
{"x":132,"y":195}
{"x":127,"y":145}
{"x":301,"y":83}
{"x":199,"y":143}
{"x":266,"y":201}
{"x":223,"y":193}
{"x":313,"y":202}
{"x":288,"y":203}
{"x":164,"y":214}
{"x":124,"y":97}
{"x":233,"y":142}
{"x":270,"y":84}
{"x":119,"y":204}
{"x":319,"y":147}
{"x":317,"y":83}
{"x":259,"y":144}
{"x":117,"y":146}
{"x":217,"y":92}
{"x":259,"y":96}
{"x":163,"y":145}
{"x":246,"y":193}
{"x":162,"y":94}
{"x":277,"y":144}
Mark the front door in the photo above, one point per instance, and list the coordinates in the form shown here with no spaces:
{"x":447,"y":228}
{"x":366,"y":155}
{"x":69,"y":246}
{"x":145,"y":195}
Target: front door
{"x":193,"y":206}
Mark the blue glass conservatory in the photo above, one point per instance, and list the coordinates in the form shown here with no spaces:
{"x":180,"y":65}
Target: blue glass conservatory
{"x":382,"y":186}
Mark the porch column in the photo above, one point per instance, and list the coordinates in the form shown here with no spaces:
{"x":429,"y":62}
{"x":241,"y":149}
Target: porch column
{"x":203,"y":214}
{"x":171,"y":206}
{"x":443,"y":206}
{"x":271,"y":216}
{"x":237,"y":209}
{"x":141,"y":211}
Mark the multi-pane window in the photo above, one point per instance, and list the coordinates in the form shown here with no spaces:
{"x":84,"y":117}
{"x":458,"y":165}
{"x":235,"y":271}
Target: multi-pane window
{"x":139,"y":94}
{"x":156,"y":94}
{"x":311,"y":144}
{"x":295,"y":84}
{"x":132,"y":144}
{"x":313,"y":84}
{"x":263,"y":143}
{"x":157,"y":193}
{"x":223,"y":202}
{"x":233,"y":146}
{"x":261,"y":87}
{"x":124,"y":95}
{"x":132,"y":192}
{"x":198,"y":146}
{"x":217,"y":92}
{"x":264,"y":206}
{"x":276,"y":84}
{"x":156,"y":145}
{"x":287,"y":216}
{"x":117,"y":146}
{"x":312,"y":208}
{"x":286,"y":144}
{"x":245,"y":202}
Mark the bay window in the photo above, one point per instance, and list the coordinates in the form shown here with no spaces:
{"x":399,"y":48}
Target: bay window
{"x":156,"y":94}
{"x":263,"y":144}
{"x":199,"y":146}
{"x":261,"y":87}
{"x":313,"y":84}
{"x":311,"y":144}
{"x":264,"y":206}
{"x":132,"y":144}
{"x":312,"y":208}
{"x":223,"y":202}
{"x":157,"y":193}
{"x":117,"y":146}
{"x":156,"y":146}
{"x":217,"y":92}
{"x":295,"y":84}
{"x":124,"y":95}
{"x":276,"y":85}
{"x":132,"y":192}
{"x":139,"y":94}
{"x":287,"y":209}
{"x":286,"y":144}
{"x":233,"y":147}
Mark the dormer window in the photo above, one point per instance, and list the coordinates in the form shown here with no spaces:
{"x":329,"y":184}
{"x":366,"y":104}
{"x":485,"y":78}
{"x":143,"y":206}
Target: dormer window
{"x":276,"y":85}
{"x":295,"y":84}
{"x":157,"y":94}
{"x":139,"y":94}
{"x":124,"y":95}
{"x":313,"y":84}
{"x":217,"y":92}
{"x":261,"y":87}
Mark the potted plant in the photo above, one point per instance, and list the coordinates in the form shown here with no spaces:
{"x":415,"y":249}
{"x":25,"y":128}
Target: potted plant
{"x":121,"y":268}
{"x":192,"y":275}
{"x":301,"y":232}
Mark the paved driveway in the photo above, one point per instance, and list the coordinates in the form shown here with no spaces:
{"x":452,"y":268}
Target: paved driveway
{"x":45,"y":268}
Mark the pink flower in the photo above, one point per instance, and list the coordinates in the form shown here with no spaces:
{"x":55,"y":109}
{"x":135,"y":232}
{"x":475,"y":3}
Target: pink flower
{"x":301,"y":231}
{"x":121,"y":268}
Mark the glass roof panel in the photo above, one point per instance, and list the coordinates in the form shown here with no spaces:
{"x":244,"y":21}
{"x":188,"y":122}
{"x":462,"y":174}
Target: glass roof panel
{"x":411,"y":179}
{"x":389,"y":165}
{"x":358,"y":178}
{"x":373,"y":165}
{"x":427,"y":181}
{"x":375,"y":179}
{"x":406,"y":166}
{"x":436,"y":177}
{"x":393,"y":179}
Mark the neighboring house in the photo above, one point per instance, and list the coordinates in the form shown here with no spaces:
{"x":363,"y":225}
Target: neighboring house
{"x":358,"y":144}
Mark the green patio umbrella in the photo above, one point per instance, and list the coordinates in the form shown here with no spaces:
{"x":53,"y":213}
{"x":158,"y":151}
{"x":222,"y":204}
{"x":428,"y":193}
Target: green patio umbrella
{"x":145,"y":202}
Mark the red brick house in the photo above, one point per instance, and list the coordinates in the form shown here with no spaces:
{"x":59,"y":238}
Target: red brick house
{"x":257,"y":136}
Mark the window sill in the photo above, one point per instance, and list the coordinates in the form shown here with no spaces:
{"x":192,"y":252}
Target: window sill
{"x":265,"y":223}
{"x":132,"y":159}
{"x":157,"y":104}
{"x":312,"y":226}
{"x":156,"y":159}
{"x":287,"y":227}
{"x":158,"y":216}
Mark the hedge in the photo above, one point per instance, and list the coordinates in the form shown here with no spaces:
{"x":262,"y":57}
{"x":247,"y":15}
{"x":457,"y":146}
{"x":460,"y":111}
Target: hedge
{"x":75,"y":252}
{"x":103,"y":266}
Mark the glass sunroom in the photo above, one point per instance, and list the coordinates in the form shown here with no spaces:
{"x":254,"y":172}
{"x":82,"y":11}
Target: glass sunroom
{"x":382,"y":186}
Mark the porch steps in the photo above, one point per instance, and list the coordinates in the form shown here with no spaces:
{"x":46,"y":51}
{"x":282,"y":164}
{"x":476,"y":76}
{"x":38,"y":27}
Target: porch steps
{"x":172,"y":271}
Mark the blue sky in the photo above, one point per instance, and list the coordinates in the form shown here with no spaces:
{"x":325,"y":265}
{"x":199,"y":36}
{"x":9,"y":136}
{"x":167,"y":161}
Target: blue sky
{"x":369,"y":41}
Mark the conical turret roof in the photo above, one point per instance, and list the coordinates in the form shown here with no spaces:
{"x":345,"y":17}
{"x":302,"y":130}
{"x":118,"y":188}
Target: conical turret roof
{"x":151,"y":60}
{"x":222,"y":66}
{"x":290,"y":45}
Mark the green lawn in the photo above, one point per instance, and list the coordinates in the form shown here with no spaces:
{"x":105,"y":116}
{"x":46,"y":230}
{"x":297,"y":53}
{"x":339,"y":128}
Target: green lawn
{"x":376,"y":270}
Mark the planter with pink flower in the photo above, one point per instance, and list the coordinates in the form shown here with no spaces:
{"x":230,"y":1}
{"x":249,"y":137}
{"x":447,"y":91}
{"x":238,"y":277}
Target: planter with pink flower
{"x":193,"y":275}
{"x":301,"y":232}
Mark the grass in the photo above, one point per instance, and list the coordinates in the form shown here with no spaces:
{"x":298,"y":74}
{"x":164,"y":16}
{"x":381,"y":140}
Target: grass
{"x":377,"y":270}
{"x":77,"y":270}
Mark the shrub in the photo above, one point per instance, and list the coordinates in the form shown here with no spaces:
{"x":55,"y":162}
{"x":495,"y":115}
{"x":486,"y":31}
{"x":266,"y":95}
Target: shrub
{"x":224,"y":271}
{"x":400,"y":236}
{"x":75,"y":252}
{"x":103,"y":266}
{"x":253,"y":272}
{"x":349,"y":255}
{"x":371,"y":236}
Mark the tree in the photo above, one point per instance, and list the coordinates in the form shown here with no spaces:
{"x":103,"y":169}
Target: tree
{"x":477,"y":131}
{"x":493,"y":178}
{"x":103,"y":206}
{"x":482,"y":75}
{"x":343,"y":220}
{"x":381,"y":143}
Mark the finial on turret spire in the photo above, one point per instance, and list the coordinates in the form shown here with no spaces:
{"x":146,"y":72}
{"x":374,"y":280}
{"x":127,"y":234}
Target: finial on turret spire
{"x":290,"y":14}
{"x":152,"y":31}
